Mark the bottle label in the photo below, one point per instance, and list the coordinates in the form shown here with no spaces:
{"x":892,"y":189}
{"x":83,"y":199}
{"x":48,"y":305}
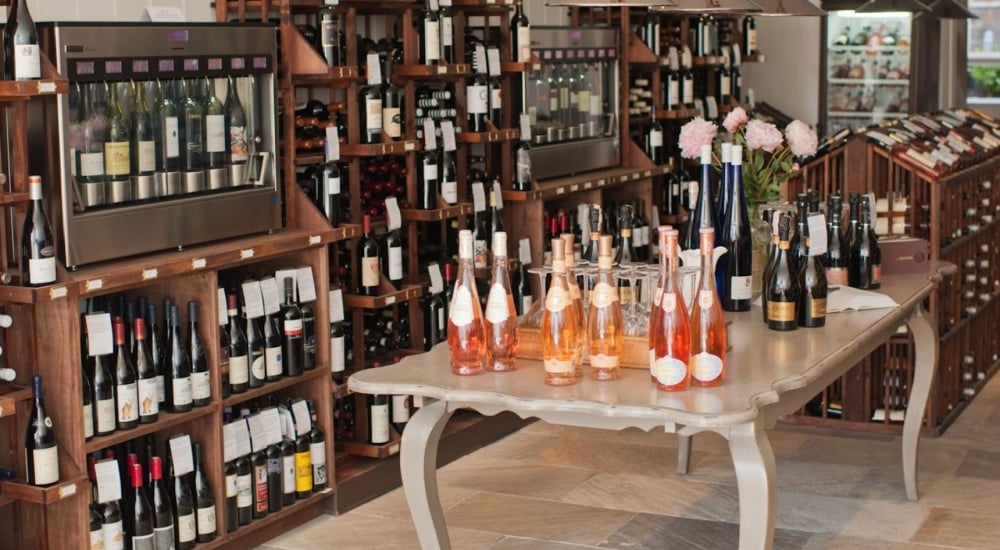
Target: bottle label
{"x":601,"y":361}
{"x":656,"y":138}
{"x":751,"y":40}
{"x":337,"y":354}
{"x":258,"y":366}
{"x":478,"y":98}
{"x":706,"y":367}
{"x":244,"y":498}
{"x":41,"y":270}
{"x":877,"y":273}
{"x":369,"y":271}
{"x":239,"y":370}
{"x":288,"y":474}
{"x":303,"y":472}
{"x":114,"y":536}
{"x":317,"y":452}
{"x":625,"y":294}
{"x":232,"y":488}
{"x":557,"y":366}
{"x":741,"y":287}
{"x":106,"y":416}
{"x":201,"y":387}
{"x":688,"y":91}
{"x":392,"y":122}
{"x":496,"y":99}
{"x":148,"y":402}
{"x":146,"y":151}
{"x":91,"y":164}
{"x":88,"y":421}
{"x":673,"y":90}
{"x":497,"y":308}
{"x":564,"y":97}
{"x":206,"y":520}
{"x":596,"y":105}
{"x":554,"y":102}
{"x":603,"y":295}
{"x":583,"y":102}
{"x":46,"y":463}
{"x":724,"y":85}
{"x":557,"y":299}
{"x":669,"y":371}
{"x":272,"y":361}
{"x":117,"y":159}
{"x":186,"y":528}
{"x":395,"y":263}
{"x":461,"y":312}
{"x":373,"y":111}
{"x":161,"y":389}
{"x":215,"y":133}
{"x":782,"y":312}
{"x":523,"y":165}
{"x":524,"y":44}
{"x":430,"y":172}
{"x":449,"y":191}
{"x":432,"y":40}
{"x":182,"y":391}
{"x":27,"y":62}
{"x":668,"y":302}
{"x":172,"y":142}
{"x":238,"y":146}
{"x":128,"y":406}
{"x":447,"y":31}
{"x":164,"y":536}
{"x":817,"y":308}
{"x":400,"y":409}
{"x":480,"y":251}
{"x":292,"y":327}
{"x":379,"y":424}
{"x":705,"y":299}
{"x":442,"y":321}
{"x":260,"y":488}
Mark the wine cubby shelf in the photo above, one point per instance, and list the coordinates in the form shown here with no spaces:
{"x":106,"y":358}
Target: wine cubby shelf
{"x":437,"y":214}
{"x":405,"y":294}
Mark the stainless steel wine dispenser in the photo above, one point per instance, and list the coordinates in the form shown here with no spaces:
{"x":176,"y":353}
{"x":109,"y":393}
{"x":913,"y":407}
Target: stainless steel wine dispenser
{"x":189,"y":196}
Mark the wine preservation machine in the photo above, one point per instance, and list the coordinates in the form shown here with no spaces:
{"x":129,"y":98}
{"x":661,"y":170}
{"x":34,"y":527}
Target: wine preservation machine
{"x":573,"y":100}
{"x":167,"y":137}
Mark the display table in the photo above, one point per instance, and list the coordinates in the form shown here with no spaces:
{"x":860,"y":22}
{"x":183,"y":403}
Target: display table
{"x":769,"y":374}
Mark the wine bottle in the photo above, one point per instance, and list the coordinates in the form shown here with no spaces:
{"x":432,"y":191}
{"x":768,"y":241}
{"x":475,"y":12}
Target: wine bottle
{"x":143,"y":146}
{"x":41,"y":451}
{"x":708,"y":326}
{"x":523,"y":297}
{"x":141,"y":521}
{"x":704,"y":214}
{"x":368,"y":260}
{"x":430,"y":34}
{"x":308,"y":337}
{"x":866,"y":256}
{"x":500,"y":317}
{"x":782,"y":288}
{"x":149,"y":407}
{"x":287,"y":447}
{"x":522,"y":165}
{"x":797,"y":242}
{"x":236,"y":123}
{"x":179,"y":389}
{"x":427,"y":197}
{"x":749,"y":35}
{"x":157,"y":350}
{"x":625,"y":254}
{"x":90,"y":156}
{"x":105,"y":414}
{"x":205,"y":499}
{"x":20,"y":39}
{"x":38,"y":261}
{"x":811,"y":307}
{"x":370,"y":99}
{"x":338,"y":351}
{"x":559,"y":323}
{"x":163,"y":518}
{"x":258,"y":465}
{"x":201,"y":384}
{"x":650,"y":31}
{"x":854,"y":219}
{"x":88,"y":406}
{"x":239,"y":351}
{"x":126,"y":387}
{"x":244,"y":489}
{"x":669,"y":325}
{"x":232,"y":493}
{"x":272,"y":455}
{"x":392,"y":104}
{"x":605,"y":327}
{"x":435,"y":324}
{"x":292,"y":345}
{"x":449,"y":178}
{"x":333,"y":193}
{"x":112,"y":525}
{"x":216,"y":139}
{"x":520,"y":29}
{"x":329,"y":32}
{"x":169,"y":139}
{"x":317,"y":451}
{"x":477,"y":94}
{"x":192,"y":128}
{"x":255,"y":344}
{"x":465,"y":316}
{"x":725,"y":188}
{"x":378,"y":419}
{"x":273,"y":358}
{"x":654,"y":140}
{"x":303,"y":467}
{"x":735,"y":266}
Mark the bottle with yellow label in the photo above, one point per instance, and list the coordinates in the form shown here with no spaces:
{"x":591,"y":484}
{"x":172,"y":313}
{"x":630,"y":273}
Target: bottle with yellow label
{"x":782,"y":288}
{"x":577,"y":296}
{"x":812,"y":301}
{"x":708,"y":326}
{"x":560,"y":324}
{"x":605,"y":326}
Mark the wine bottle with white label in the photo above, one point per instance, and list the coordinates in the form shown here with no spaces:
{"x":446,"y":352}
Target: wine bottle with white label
{"x":201,"y":384}
{"x":126,"y":387}
{"x":273,"y":363}
{"x":20,"y":40}
{"x":520,"y":29}
{"x":317,"y":451}
{"x":143,"y":147}
{"x":205,"y":499}
{"x":239,"y":351}
{"x":41,"y":451}
{"x":179,"y":387}
{"x":378,"y":419}
{"x":236,"y":127}
{"x":500,"y":317}
{"x":368,"y":260}
{"x":38,"y":261}
{"x":216,"y":140}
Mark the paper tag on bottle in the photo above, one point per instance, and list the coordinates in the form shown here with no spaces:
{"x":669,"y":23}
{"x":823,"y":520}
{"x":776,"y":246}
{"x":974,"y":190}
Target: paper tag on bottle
{"x":713,"y":107}
{"x":497,"y":195}
{"x":253,"y":300}
{"x":271,"y":295}
{"x":374,"y":69}
{"x":306,"y":284}
{"x":331,"y":2}
{"x":430,"y":137}
{"x":432,"y":5}
{"x":437,"y":281}
{"x":737,"y":56}
{"x":242,"y":430}
{"x":674,"y":59}
{"x":493,"y":56}
{"x":271,"y":420}
{"x":109,"y":482}
{"x":817,"y":234}
{"x":222,"y":306}
{"x":229,"y":441}
{"x":258,"y":432}
{"x":281,"y":275}
{"x":525,"y":127}
{"x":448,"y":135}
{"x":478,"y":197}
{"x":686,"y":57}
{"x":181,"y":455}
{"x":750,"y":98}
{"x":480,"y":59}
{"x":524,"y":251}
{"x":99,"y":334}
{"x":394,"y":217}
{"x":303,"y":422}
{"x":336,"y":304}
{"x":332,"y":147}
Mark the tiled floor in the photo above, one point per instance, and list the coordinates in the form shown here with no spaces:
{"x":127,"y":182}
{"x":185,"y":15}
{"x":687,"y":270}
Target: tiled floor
{"x":557,"y":488}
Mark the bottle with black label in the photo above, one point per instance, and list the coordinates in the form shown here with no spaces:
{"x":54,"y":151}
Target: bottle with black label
{"x":782,"y":288}
{"x":239,"y":351}
{"x":201,"y":384}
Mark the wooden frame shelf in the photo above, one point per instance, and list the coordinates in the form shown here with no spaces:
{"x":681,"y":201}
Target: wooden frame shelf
{"x":516,"y":67}
{"x":17,"y":491}
{"x":437,"y":214}
{"x":592,"y":180}
{"x":493,"y":136}
{"x":10,"y":399}
{"x":405,"y":294}
{"x":274,"y":523}
{"x":484,"y":3}
{"x":401,"y":147}
{"x":432,"y":72}
{"x":276,"y":386}
{"x":164,"y":421}
{"x":676,"y":114}
{"x":8,"y":199}
{"x":374,"y":451}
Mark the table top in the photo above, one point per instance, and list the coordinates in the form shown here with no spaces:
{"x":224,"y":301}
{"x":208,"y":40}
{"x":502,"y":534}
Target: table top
{"x":762,"y":365}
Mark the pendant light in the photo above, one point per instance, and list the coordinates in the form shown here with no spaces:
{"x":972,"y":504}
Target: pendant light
{"x":774,"y":8}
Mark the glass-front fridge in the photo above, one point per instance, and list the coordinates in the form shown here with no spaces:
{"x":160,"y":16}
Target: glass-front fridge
{"x":983,"y":54}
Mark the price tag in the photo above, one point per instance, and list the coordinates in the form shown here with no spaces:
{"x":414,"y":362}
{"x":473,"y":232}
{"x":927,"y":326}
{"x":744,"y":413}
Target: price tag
{"x":481,"y":63}
{"x":497,"y":195}
{"x":437,"y":281}
{"x":478,"y":197}
{"x":817,"y":234}
{"x":287,"y":424}
{"x":181,"y":455}
{"x":222,"y":306}
{"x":430,"y":135}
{"x":525,"y":127}
{"x":331,"y":2}
{"x":432,"y":5}
{"x":374,"y":69}
{"x":445,"y":3}
{"x":336,"y":303}
{"x":303,"y":422}
{"x":448,"y":135}
{"x":395,"y":218}
{"x":673,"y":59}
{"x":272,"y":425}
{"x":750,"y":98}
{"x":253,"y":301}
{"x":229,"y":441}
{"x":242,"y":437}
{"x":524,"y":251}
{"x":713,"y":107}
{"x":282,"y":274}
{"x":493,"y":56}
{"x":258,"y":432}
{"x":332,"y":144}
{"x":306,"y":284}
{"x":686,"y":57}
{"x":99,"y":334}
{"x":109,"y":483}
{"x":737,"y":56}
{"x":272,"y":298}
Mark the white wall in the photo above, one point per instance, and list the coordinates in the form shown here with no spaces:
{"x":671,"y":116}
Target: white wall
{"x":540,"y":14}
{"x":789,"y":78}
{"x":114,"y":10}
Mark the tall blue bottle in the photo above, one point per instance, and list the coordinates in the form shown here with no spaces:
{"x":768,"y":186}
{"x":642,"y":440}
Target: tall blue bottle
{"x":735,"y":268}
{"x":703,"y":214}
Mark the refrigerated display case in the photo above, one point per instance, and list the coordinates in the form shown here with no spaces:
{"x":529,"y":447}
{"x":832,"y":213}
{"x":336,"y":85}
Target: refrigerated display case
{"x":983,"y":55}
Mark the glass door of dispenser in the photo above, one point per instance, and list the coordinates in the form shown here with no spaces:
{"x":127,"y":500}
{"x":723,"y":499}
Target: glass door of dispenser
{"x":983,"y":43}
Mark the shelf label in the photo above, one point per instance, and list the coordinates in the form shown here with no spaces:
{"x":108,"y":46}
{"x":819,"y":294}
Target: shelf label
{"x":560,"y":190}
{"x":574,"y":187}
{"x":737,"y":56}
{"x":713,"y":107}
{"x":303,"y":422}
{"x":47,"y":87}
{"x":199,"y":263}
{"x":524,"y":251}
{"x":221,"y":306}
{"x":448,"y":135}
{"x":253,"y":303}
{"x":409,"y":146}
{"x":394,"y":219}
{"x":99,"y":334}
{"x":58,"y":292}
{"x":389,"y":300}
{"x":109,"y":483}
{"x":148,"y":274}
{"x":601,"y":183}
{"x":67,"y":491}
{"x":94,"y":284}
{"x":336,"y":303}
{"x":272,"y":297}
{"x":442,"y":69}
{"x":315,"y":239}
{"x":246,"y":253}
{"x":478,"y":196}
{"x":374,"y":69}
{"x":332,"y":144}
{"x":306,"y":284}
{"x":229,"y":441}
{"x":181,"y":455}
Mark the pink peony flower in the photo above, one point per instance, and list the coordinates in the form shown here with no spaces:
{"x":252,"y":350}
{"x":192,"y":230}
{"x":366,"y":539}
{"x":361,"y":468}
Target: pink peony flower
{"x":801,"y":138}
{"x":734,"y":119}
{"x":694,"y":134}
{"x":763,"y":135}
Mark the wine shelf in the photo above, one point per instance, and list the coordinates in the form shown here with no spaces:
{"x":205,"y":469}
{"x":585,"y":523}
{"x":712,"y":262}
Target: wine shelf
{"x":9,"y":199}
{"x":433,"y":72}
{"x":374,"y":451}
{"x":10,"y":398}
{"x":405,"y":294}
{"x":164,"y":421}
{"x":17,"y":491}
{"x":677,"y":114}
{"x":403,"y":147}
{"x":271,"y":387}
{"x":437,"y":214}
{"x":274,"y":523}
{"x":593,"y":180}
{"x":494,"y":136}
{"x":514,"y":67}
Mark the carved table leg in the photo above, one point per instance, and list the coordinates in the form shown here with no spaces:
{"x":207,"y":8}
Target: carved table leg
{"x":683,"y":452}
{"x":755,"y":479}
{"x":418,"y":467}
{"x":925,"y":343}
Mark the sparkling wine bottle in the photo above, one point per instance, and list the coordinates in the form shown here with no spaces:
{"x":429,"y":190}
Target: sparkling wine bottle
{"x":465,"y":316}
{"x":500,"y":317}
{"x":605,"y":327}
{"x":782,"y":288}
{"x":837,"y":258}
{"x":708,"y":326}
{"x":811,"y":307}
{"x":40,"y":448}
{"x":560,"y":324}
{"x":866,"y":256}
{"x":669,"y":325}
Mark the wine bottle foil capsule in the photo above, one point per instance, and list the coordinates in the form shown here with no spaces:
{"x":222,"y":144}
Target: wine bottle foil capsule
{"x":551,"y":134}
{"x":562,"y":134}
{"x":120,"y":191}
{"x":574,"y":132}
{"x":145,"y":187}
{"x":589,"y":129}
{"x":238,"y":175}
{"x":93,"y":194}
{"x":194,"y":182}
{"x":218,"y":178}
{"x":168,"y":183}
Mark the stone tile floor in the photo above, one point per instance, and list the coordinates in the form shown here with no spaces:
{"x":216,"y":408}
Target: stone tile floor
{"x":559,"y":488}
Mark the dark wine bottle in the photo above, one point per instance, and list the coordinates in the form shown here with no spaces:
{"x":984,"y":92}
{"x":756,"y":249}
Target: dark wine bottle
{"x":273,"y":360}
{"x":520,"y":29}
{"x":287,"y":447}
{"x":292,"y":340}
{"x":338,"y":352}
{"x":370,"y":100}
{"x":866,"y":256}
{"x":400,"y":412}
{"x":654,"y":140}
{"x":255,"y":343}
{"x":163,"y":518}
{"x":157,"y":350}
{"x":704,"y":212}
{"x":88,"y":405}
{"x":812,"y":281}
{"x":126,"y":387}
{"x":38,"y":261}
{"x":798,"y":241}
{"x":332,"y":187}
{"x":42,"y":453}
{"x":244,"y":489}
{"x":735,"y":266}
{"x":435,"y":325}
{"x":749,"y":36}
{"x":239,"y":351}
{"x":317,"y":451}
{"x":205,"y":516}
{"x":303,"y":467}
{"x":112,"y":525}
{"x":192,"y":128}
{"x":232,"y":493}
{"x":258,"y":464}
{"x":141,"y":521}
{"x":854,"y":219}
{"x":329,"y":32}
{"x":308,"y":337}
{"x":104,"y":397}
{"x":428,"y":184}
{"x":378,"y":419}
{"x":477,"y":97}
{"x":368,"y":260}
{"x":783,"y":290}
{"x":430,"y":35}
{"x":201,"y":383}
{"x":179,"y":389}
{"x":392,"y":104}
{"x":20,"y":40}
{"x":186,"y":531}
{"x":393,"y":260}
{"x":149,"y":407}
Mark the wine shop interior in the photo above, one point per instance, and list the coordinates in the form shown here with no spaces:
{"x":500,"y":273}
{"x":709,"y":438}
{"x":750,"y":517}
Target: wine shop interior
{"x":499,"y":274}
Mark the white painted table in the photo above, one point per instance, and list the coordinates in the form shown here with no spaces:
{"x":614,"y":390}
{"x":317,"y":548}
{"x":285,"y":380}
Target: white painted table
{"x":770,"y":374}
